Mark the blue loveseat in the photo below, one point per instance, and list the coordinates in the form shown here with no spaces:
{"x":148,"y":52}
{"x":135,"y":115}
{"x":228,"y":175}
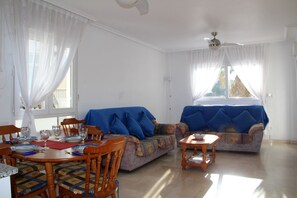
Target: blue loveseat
{"x":240,"y":128}
{"x":146,"y":139}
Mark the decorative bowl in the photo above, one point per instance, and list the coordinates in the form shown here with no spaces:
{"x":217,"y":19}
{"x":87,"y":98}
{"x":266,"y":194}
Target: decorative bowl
{"x":198,"y":136}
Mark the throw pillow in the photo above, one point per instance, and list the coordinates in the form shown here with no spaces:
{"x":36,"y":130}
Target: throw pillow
{"x":117,"y":127}
{"x":219,"y":121}
{"x":134,"y":128}
{"x":195,"y":121}
{"x":146,"y":125}
{"x":244,"y":121}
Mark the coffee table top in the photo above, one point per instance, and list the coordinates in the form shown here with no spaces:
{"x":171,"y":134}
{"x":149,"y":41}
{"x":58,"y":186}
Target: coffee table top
{"x":208,"y":139}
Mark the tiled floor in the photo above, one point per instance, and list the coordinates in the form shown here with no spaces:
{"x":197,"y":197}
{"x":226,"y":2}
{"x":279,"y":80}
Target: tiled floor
{"x":270,"y":174}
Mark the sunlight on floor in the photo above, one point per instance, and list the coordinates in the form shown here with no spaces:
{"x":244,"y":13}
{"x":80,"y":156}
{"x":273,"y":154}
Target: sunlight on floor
{"x":160,"y":185}
{"x":231,"y":186}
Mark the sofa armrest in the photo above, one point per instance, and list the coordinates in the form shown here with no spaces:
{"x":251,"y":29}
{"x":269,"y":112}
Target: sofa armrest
{"x":182,"y":129}
{"x":164,"y":129}
{"x":255,"y":128}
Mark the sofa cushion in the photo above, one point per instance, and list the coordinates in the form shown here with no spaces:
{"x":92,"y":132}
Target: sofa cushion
{"x":243,"y":121}
{"x":134,"y":128}
{"x":219,"y":121}
{"x":195,"y":121}
{"x":146,"y":125}
{"x":117,"y":127}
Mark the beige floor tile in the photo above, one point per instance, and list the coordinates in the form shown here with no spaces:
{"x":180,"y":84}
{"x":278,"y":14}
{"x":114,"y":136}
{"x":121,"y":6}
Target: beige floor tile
{"x":272,"y":173}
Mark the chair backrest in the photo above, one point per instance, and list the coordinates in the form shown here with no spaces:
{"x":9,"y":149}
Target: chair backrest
{"x":6,"y":158}
{"x":9,"y":130}
{"x":108,"y":160}
{"x":94,"y":133}
{"x":70,"y":126}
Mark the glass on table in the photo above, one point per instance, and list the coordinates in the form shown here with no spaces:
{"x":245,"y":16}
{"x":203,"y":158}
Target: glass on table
{"x":83,"y":133}
{"x":44,"y":135}
{"x":56,"y":131}
{"x":25,"y":131}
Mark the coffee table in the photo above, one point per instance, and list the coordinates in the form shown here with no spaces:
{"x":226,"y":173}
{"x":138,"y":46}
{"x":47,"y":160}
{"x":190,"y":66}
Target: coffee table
{"x":203,"y":159}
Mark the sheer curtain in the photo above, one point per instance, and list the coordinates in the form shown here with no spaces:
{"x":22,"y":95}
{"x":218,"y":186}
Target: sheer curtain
{"x":205,"y":66}
{"x":44,"y":39}
{"x":249,"y":64}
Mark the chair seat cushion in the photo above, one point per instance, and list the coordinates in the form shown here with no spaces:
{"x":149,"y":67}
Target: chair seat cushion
{"x":75,"y":181}
{"x":68,"y":167}
{"x":29,"y":182}
{"x":27,"y":167}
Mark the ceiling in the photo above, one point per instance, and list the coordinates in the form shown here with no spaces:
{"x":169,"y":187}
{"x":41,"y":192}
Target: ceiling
{"x":176,"y":25}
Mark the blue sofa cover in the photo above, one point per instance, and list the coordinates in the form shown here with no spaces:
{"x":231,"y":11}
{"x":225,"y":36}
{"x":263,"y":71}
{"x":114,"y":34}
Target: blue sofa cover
{"x":137,"y":152}
{"x":102,"y":118}
{"x":208,"y":112}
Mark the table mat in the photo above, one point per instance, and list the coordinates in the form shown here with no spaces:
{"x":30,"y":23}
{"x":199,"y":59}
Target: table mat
{"x":56,"y":145}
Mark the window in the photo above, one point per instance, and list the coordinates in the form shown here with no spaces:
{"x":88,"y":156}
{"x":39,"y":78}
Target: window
{"x":228,"y":89}
{"x":60,"y":104}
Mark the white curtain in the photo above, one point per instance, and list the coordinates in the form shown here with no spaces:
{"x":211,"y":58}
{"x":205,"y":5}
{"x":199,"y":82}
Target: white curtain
{"x":205,"y":66}
{"x":44,"y":39}
{"x":249,"y":64}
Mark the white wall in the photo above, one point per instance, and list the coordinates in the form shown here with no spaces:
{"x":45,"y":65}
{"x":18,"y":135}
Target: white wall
{"x":281,"y":107}
{"x":115,"y":72}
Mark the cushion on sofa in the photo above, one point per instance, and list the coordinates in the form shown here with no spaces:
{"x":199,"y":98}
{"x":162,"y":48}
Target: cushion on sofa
{"x":195,"y":121}
{"x":134,"y":128}
{"x":117,"y":127}
{"x":243,"y":127}
{"x":146,"y":125}
{"x":219,"y":121}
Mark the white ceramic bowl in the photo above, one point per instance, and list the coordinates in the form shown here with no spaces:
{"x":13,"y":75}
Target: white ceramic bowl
{"x":198,"y":136}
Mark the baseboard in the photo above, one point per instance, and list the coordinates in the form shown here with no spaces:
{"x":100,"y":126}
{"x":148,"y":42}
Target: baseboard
{"x":281,"y":141}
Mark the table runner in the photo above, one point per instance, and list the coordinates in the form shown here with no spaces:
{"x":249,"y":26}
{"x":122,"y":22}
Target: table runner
{"x":56,"y":145}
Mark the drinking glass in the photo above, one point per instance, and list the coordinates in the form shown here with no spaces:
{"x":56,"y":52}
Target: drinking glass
{"x":57,"y":131}
{"x":83,"y":132}
{"x":44,"y":135}
{"x":25,"y":131}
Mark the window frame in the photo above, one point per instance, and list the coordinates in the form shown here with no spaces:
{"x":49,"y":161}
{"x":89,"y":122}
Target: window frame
{"x":226,"y":100}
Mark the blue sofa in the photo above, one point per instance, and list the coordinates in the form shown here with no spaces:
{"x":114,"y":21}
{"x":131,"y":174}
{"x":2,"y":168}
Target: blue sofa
{"x":156,"y":140}
{"x":240,"y":128}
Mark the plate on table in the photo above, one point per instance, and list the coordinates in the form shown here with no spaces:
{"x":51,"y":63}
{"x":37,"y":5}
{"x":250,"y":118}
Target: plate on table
{"x":80,"y":148}
{"x":72,"y":139}
{"x":29,"y":139}
{"x":25,"y":148}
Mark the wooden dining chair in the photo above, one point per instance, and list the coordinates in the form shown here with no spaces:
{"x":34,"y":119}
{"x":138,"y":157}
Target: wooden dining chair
{"x":25,"y":185}
{"x":94,"y":133}
{"x":9,"y":130}
{"x":70,"y":126}
{"x":23,"y":166}
{"x":102,"y":182}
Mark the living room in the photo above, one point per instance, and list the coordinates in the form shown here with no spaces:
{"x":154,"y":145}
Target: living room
{"x":115,"y":69}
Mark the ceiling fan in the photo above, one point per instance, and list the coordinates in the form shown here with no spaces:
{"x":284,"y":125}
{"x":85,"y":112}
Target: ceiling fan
{"x":141,"y":5}
{"x":216,"y":43}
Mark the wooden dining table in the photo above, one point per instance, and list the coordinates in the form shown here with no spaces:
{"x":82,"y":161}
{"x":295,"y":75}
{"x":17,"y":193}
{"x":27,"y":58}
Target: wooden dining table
{"x":48,"y":157}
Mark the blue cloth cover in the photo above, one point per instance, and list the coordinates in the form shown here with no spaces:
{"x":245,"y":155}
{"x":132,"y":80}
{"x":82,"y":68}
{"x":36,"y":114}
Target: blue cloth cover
{"x":197,"y":121}
{"x":243,"y":121}
{"x":117,"y":127}
{"x":208,"y":112}
{"x":146,"y":125}
{"x":219,"y":121}
{"x":102,"y":118}
{"x":134,"y":128}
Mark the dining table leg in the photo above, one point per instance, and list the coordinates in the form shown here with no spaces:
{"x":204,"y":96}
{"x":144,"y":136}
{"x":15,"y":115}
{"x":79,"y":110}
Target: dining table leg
{"x":50,"y":180}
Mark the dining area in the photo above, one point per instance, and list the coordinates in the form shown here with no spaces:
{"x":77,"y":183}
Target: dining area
{"x":71,"y":160}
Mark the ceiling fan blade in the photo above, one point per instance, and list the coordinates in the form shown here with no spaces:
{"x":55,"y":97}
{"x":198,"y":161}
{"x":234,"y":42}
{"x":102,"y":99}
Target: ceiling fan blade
{"x":142,"y":6}
{"x":127,"y":3}
{"x":232,"y":44}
